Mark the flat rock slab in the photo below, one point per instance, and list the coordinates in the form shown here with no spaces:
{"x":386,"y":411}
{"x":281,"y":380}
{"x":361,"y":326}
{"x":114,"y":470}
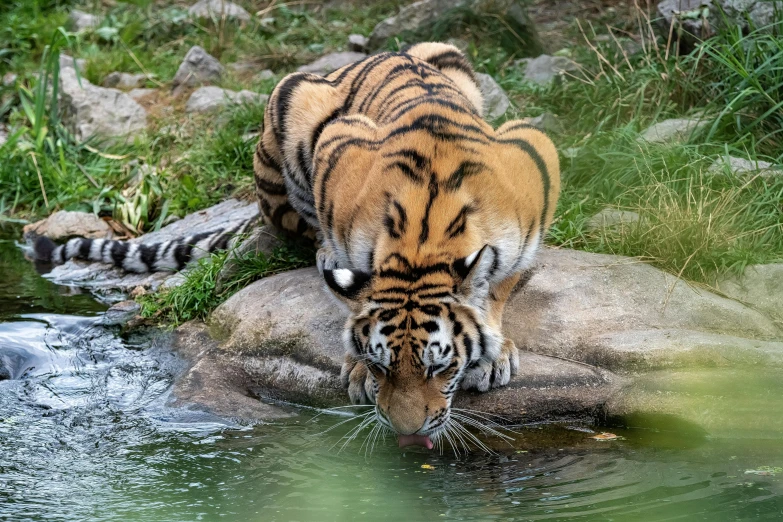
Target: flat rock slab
{"x":113,"y":284}
{"x":588,"y":325}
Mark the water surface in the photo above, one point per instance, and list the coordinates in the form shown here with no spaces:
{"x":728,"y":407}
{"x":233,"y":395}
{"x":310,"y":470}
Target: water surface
{"x":85,"y":435}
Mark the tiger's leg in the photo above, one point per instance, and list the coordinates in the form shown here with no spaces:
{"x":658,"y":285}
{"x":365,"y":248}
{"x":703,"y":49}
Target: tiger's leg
{"x":271,"y":190}
{"x":358,"y":380}
{"x":498,"y":372}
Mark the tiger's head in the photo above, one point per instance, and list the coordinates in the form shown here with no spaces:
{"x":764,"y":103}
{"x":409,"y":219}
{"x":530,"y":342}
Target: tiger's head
{"x":417,"y":329}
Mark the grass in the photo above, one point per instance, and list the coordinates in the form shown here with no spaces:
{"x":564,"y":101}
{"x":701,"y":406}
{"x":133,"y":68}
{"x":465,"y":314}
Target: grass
{"x":693,"y":222}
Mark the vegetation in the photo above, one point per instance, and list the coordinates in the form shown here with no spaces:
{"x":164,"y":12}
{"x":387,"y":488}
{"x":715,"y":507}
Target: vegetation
{"x":693,"y":222}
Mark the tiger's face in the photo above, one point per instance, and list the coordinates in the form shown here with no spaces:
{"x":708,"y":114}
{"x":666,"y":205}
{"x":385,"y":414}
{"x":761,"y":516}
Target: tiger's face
{"x":416,"y":331}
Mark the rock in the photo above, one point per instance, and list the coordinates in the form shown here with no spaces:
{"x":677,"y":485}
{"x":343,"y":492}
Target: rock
{"x":547,"y":122}
{"x":67,"y":62}
{"x":358,"y":43}
{"x":120,"y":314}
{"x":743,"y":167}
{"x":9,"y":79}
{"x":218,"y":9}
{"x":759,"y":286}
{"x":208,"y":99}
{"x":266,"y":74}
{"x":675,"y":130}
{"x":611,"y":218}
{"x":113,"y":284}
{"x":64,"y":224}
{"x":419,"y":16}
{"x":589,"y":326}
{"x":331,"y":62}
{"x":80,"y":20}
{"x":459,"y":43}
{"x":138,"y":94}
{"x":688,"y":18}
{"x":545,"y":69}
{"x":124,"y":81}
{"x":496,"y":101}
{"x":262,"y":240}
{"x":197,"y":68}
{"x":90,"y":111}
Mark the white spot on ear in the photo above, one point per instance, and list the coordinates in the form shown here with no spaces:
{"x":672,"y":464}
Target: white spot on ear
{"x":343,"y":277}
{"x":472,"y":257}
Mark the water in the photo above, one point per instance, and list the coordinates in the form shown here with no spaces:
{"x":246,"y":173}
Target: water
{"x":85,"y":435}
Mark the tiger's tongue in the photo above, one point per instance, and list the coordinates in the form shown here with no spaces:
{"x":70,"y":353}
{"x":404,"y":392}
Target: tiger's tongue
{"x":415,"y":440}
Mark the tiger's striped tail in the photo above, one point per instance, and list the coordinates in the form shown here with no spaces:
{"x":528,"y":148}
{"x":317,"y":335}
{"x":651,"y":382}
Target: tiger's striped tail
{"x":166,"y":256}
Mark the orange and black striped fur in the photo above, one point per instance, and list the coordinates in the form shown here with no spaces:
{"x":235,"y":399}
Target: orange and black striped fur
{"x":426,"y":217}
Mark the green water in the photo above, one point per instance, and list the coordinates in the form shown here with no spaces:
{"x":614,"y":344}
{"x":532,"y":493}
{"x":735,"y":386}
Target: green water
{"x":85,"y":434}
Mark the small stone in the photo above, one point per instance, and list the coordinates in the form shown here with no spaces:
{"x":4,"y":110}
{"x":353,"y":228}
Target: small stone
{"x":138,"y":292}
{"x":65,"y":224}
{"x":743,"y":167}
{"x":331,"y":62}
{"x":545,"y":69}
{"x":218,"y":9}
{"x":611,"y":218}
{"x":358,"y":43}
{"x":266,"y":74}
{"x":208,"y":99}
{"x":121,"y":313}
{"x":138,"y":94}
{"x":675,"y":130}
{"x":496,"y":101}
{"x":9,"y":79}
{"x":67,"y":62}
{"x":124,"y":81}
{"x":197,"y":68}
{"x":547,"y":122}
{"x":81,"y":20}
{"x":91,"y":111}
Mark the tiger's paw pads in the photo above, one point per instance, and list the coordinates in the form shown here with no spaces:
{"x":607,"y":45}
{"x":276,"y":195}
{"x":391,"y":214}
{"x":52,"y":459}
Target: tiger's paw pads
{"x":358,"y":380}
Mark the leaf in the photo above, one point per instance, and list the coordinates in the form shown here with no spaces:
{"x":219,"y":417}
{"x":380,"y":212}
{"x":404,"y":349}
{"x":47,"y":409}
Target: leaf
{"x":427,"y":466}
{"x":605,"y":436}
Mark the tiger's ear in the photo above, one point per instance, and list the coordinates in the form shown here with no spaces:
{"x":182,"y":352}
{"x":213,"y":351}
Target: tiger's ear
{"x":349,"y":286}
{"x":474,"y":271}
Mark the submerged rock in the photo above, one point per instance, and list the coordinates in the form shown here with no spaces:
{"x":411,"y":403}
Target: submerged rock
{"x":90,"y":111}
{"x":331,"y":62}
{"x":113,"y":284}
{"x":64,"y":224}
{"x":496,"y":101}
{"x":197,"y":68}
{"x":208,"y":99}
{"x":588,"y":326}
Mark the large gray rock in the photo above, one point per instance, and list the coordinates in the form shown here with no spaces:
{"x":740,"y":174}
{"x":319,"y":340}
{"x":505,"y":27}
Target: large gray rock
{"x":208,"y":99}
{"x":80,"y":20}
{"x":68,"y":62}
{"x":759,"y":286}
{"x":89,"y":111}
{"x":331,"y":62}
{"x":743,"y":167}
{"x":588,"y":325}
{"x":496,"y":101}
{"x":124,"y":81}
{"x":218,"y":9}
{"x":198,"y":67}
{"x":63,"y":225}
{"x":420,"y":16}
{"x":545,"y":69}
{"x":674,"y":130}
{"x":113,"y":284}
{"x":688,"y":16}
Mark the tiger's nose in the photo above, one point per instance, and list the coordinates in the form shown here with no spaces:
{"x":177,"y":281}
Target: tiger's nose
{"x":406,"y":427}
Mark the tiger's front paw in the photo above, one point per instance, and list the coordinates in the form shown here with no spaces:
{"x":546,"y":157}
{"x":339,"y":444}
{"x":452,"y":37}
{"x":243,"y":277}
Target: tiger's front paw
{"x":357,"y":378}
{"x":493,"y":374}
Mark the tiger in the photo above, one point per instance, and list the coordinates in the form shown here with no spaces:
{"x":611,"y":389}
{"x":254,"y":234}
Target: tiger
{"x":425,"y":218}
